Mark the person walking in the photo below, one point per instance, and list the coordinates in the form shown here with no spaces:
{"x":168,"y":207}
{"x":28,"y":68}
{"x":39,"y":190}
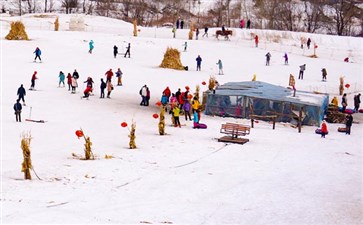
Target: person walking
{"x":91,"y":46}
{"x":356,"y":102}
{"x":119,"y":77}
{"x":220,"y":67}
{"x":143,"y":94}
{"x":177,"y":23}
{"x":301,"y":72}
{"x":308,"y":43}
{"x":185,"y":46}
{"x":324,"y":73}
{"x":348,"y":123}
{"x":102,"y":87}
{"x":74,"y":85}
{"x":248,"y":24}
{"x":34,"y":77}
{"x":268,"y":58}
{"x":344,"y":102}
{"x":21,"y":93}
{"x":324,"y":129}
{"x":61,"y":79}
{"x":37,"y":53}
{"x":109,"y":89}
{"x":115,"y":51}
{"x":199,"y":62}
{"x":69,"y":81}
{"x":17,"y":108}
{"x":205,"y":31}
{"x":286,"y":59}
{"x":196,"y":33}
{"x":176,"y":114}
{"x":182,"y":24}
{"x":256,"y":41}
{"x":127,"y":50}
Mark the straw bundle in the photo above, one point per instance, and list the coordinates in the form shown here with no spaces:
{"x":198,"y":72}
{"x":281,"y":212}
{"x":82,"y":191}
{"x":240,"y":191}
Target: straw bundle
{"x":132,"y":136}
{"x":172,"y":59}
{"x":212,"y":83}
{"x":162,"y":121}
{"x":17,"y":31}
{"x":27,"y":163}
{"x":87,"y":148}
{"x":56,"y":24}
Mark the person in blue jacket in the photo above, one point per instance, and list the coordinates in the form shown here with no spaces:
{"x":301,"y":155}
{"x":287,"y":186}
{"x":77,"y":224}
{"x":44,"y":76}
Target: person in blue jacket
{"x":37,"y":53}
{"x":199,"y":62}
{"x":61,"y":78}
{"x":91,"y":46}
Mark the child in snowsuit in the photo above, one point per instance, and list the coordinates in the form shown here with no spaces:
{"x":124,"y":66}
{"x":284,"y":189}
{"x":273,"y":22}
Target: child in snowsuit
{"x":69,"y":81}
{"x":103,"y":87}
{"x":61,"y":78}
{"x":324,"y":73}
{"x":324,"y":129}
{"x":186,"y":108}
{"x":119,"y":77}
{"x":91,"y":46}
{"x":176,"y":113}
{"x":220,"y":67}
{"x":87,"y":92}
{"x":37,"y":53}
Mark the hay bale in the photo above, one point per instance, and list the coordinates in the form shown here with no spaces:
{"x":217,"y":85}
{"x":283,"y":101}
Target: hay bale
{"x":172,"y":59}
{"x":17,"y":31}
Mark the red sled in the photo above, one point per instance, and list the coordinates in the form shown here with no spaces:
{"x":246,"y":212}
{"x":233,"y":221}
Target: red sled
{"x":200,"y":126}
{"x":318,"y":131}
{"x":361,"y":110}
{"x":342,"y":129}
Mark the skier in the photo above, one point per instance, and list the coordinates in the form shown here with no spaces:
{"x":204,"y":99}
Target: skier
{"x":348,"y":123}
{"x":109,"y":75}
{"x":115,"y":51}
{"x":324,"y":73}
{"x":127,"y":51}
{"x":301,"y":72}
{"x":119,"y":77}
{"x":205,"y":31}
{"x":256,"y":41}
{"x":37,"y":53}
{"x":268,"y":58}
{"x":109,"y":88}
{"x":91,"y":46}
{"x":102,"y":86}
{"x":21,"y":93}
{"x":286,"y":59}
{"x":308,"y":43}
{"x":199,"y":62}
{"x":356,"y":102}
{"x":61,"y":78}
{"x":324,"y":129}
{"x":220,"y":67}
{"x":69,"y":81}
{"x":185,"y":46}
{"x":34,"y":77}
{"x":17,"y":108}
{"x":344,"y":102}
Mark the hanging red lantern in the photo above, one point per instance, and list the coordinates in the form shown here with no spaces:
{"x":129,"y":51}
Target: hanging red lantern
{"x":155,"y":115}
{"x":204,"y":83}
{"x":315,"y":46}
{"x":187,"y":88}
{"x":347,"y":85}
{"x":158,"y":103}
{"x":123,"y":124}
{"x":79,"y":133}
{"x":190,"y":96}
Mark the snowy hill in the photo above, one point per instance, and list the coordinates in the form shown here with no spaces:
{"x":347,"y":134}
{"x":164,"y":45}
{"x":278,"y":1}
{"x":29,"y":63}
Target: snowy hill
{"x":185,"y":177}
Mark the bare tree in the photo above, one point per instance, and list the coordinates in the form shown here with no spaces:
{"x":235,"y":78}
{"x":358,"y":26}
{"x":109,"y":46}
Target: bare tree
{"x":314,"y":14}
{"x":69,"y":5}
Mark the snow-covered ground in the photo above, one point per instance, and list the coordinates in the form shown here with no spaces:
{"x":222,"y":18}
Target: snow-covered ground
{"x":185,"y":177}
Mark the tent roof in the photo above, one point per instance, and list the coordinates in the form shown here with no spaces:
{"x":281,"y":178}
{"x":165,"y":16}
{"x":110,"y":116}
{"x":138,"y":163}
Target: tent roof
{"x":258,"y":89}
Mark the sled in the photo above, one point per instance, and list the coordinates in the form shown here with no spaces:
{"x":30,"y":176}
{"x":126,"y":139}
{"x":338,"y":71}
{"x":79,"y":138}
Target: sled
{"x":200,"y":126}
{"x":318,"y":131}
{"x":36,"y":121}
{"x":342,"y":129}
{"x":349,"y":111}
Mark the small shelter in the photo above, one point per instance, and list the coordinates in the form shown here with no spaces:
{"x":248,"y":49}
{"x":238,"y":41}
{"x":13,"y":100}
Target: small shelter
{"x":245,"y":99}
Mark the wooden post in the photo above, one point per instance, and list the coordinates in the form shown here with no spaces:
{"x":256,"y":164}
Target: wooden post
{"x":252,"y":122}
{"x":273,"y":123}
{"x":299,"y":123}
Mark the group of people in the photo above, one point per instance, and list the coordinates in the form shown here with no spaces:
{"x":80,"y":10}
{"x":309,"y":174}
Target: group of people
{"x":242,"y":24}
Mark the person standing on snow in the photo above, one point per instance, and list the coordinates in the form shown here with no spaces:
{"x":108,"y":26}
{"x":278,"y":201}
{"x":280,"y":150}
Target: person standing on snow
{"x":91,"y":46}
{"x":119,"y":77}
{"x":301,"y":72}
{"x":109,"y":88}
{"x":256,"y":41}
{"x":61,"y":78}
{"x":75,"y":74}
{"x":344,"y":102}
{"x":21,"y":93}
{"x":308,"y":43}
{"x":268,"y":58}
{"x":37,"y":53}
{"x":34,"y":77}
{"x":348,"y":123}
{"x":324,"y":73}
{"x":185,"y":46}
{"x":199,"y":62}
{"x":115,"y":51}
{"x":196,"y":33}
{"x":176,"y":114}
{"x":109,"y":75}
{"x":220,"y":67}
{"x":102,"y":87}
{"x":324,"y":129}
{"x":74,"y":85}
{"x":69,"y":81}
{"x":356,"y":102}
{"x":127,"y":50}
{"x":205,"y":31}
{"x":286,"y":59}
{"x":143,"y":94}
{"x":248,"y":24}
{"x":17,"y":108}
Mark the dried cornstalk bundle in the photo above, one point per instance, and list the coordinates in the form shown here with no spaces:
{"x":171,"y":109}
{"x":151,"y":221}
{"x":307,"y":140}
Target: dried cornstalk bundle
{"x":162,"y":121}
{"x":196,"y":94}
{"x":17,"y":31}
{"x":56,"y":24}
{"x":172,"y":59}
{"x":212,"y":83}
{"x":87,"y":148}
{"x":132,"y":136}
{"x":27,"y":163}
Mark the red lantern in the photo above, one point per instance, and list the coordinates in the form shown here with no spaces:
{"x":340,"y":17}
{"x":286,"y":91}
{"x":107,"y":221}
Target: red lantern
{"x":204,"y":83}
{"x":347,"y":85}
{"x":155,"y":115}
{"x":123,"y":124}
{"x":158,"y":103}
{"x":187,"y":88}
{"x":79,"y":133}
{"x":190,"y":96}
{"x":315,"y":46}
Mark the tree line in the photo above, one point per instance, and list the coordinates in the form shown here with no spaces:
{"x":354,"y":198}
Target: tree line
{"x":338,"y":17}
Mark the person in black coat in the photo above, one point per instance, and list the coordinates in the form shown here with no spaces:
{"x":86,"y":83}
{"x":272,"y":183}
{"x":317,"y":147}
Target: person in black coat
{"x":127,"y":51}
{"x":21,"y":93}
{"x":356,"y":102}
{"x":17,"y":109}
{"x":103,"y":86}
{"x":348,"y":123}
{"x":115,"y":51}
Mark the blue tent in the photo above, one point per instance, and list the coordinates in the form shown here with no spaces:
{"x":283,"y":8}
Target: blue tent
{"x":241,"y":99}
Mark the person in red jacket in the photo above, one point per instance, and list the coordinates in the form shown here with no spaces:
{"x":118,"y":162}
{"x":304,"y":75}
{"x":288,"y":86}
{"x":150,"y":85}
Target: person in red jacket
{"x":167,"y":93}
{"x":109,"y":75}
{"x":324,"y":129}
{"x":69,"y":81}
{"x":256,"y":40}
{"x":87,"y":92}
{"x":34,"y":77}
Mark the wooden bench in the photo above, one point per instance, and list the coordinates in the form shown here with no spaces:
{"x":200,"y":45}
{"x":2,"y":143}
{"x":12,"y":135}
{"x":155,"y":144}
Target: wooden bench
{"x":234,"y":132}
